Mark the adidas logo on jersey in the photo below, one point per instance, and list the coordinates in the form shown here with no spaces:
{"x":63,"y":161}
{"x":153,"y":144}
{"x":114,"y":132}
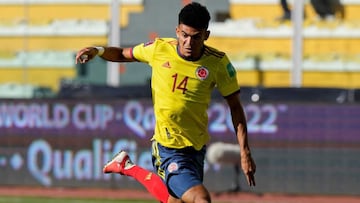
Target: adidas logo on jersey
{"x":166,"y":64}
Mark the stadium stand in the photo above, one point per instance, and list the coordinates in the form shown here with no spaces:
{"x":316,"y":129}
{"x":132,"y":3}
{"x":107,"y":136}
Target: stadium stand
{"x":258,"y":45}
{"x":71,"y":90}
{"x":19,"y":91}
{"x":330,"y":49}
{"x":40,"y":37}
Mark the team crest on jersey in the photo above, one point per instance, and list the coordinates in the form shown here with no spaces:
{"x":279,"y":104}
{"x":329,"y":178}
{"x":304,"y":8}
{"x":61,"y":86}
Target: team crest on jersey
{"x":202,"y":73}
{"x":173,"y":167}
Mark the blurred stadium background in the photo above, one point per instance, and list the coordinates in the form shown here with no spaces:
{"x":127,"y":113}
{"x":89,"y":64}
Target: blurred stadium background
{"x":59,"y":122}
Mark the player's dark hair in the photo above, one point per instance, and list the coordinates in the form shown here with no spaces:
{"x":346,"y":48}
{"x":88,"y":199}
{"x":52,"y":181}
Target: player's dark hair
{"x":195,"y":15}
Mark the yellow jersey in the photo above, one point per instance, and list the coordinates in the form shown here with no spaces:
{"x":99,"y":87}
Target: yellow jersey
{"x":181,"y":90}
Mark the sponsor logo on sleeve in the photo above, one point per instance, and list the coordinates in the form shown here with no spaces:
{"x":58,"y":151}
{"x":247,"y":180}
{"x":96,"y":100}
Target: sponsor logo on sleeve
{"x":231,"y":70}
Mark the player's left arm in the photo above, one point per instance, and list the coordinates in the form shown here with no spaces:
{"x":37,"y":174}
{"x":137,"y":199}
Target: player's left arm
{"x":240,"y":125}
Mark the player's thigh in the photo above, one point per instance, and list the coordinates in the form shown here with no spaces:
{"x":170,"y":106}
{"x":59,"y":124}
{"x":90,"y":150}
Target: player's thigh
{"x":174,"y":200}
{"x":197,"y":194}
{"x":181,"y":169}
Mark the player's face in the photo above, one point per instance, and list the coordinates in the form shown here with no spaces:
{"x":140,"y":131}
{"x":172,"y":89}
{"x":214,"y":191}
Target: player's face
{"x":191,"y":41}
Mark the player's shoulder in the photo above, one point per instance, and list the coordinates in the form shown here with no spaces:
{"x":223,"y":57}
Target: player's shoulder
{"x":168,"y":40}
{"x":211,"y":51}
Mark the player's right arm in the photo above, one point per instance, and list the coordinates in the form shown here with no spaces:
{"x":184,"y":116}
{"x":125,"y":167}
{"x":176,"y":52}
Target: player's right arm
{"x":115,"y":54}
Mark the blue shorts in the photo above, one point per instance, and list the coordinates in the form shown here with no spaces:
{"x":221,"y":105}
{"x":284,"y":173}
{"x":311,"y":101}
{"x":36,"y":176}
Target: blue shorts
{"x":180,"y":169}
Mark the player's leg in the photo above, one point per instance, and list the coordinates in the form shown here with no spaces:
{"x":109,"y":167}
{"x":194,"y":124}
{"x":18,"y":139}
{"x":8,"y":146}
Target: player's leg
{"x":122,"y":164}
{"x":195,"y":194}
{"x":187,"y":188}
{"x":182,"y":170}
{"x":198,"y":194}
{"x":174,"y":200}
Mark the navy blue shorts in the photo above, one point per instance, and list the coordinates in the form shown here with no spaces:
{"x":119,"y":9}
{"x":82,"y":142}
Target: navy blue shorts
{"x":180,"y":169}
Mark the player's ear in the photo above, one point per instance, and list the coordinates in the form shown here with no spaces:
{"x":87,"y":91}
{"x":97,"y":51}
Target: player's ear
{"x":207,"y":34}
{"x":177,"y":31}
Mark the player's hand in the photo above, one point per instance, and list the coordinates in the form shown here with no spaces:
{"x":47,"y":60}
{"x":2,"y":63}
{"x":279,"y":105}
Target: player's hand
{"x":85,"y":55}
{"x":248,"y":166}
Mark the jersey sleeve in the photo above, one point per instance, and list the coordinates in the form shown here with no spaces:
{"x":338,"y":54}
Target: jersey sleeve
{"x":144,"y":52}
{"x":226,"y":80}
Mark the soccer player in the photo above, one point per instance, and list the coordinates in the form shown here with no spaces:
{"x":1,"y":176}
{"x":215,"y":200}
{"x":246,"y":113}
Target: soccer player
{"x":184,"y":73}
